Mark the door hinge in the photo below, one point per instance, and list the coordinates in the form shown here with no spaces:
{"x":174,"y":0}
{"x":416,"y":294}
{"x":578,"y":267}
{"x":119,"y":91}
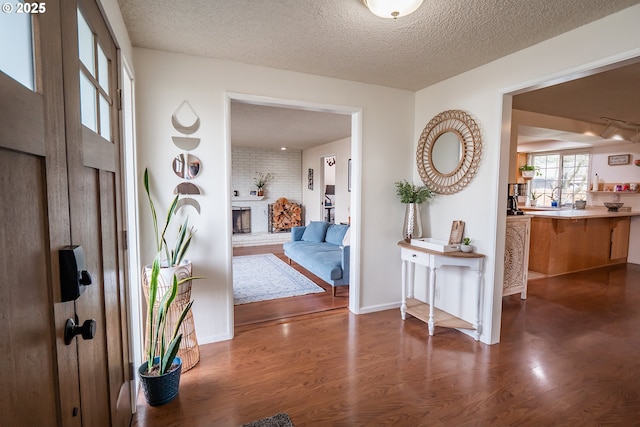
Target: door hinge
{"x":125,"y":240}
{"x":119,"y":99}
{"x":131,"y":371}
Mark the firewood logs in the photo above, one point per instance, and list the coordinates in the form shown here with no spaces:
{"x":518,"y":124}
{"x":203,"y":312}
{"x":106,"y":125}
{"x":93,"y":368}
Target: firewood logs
{"x":285,"y":214}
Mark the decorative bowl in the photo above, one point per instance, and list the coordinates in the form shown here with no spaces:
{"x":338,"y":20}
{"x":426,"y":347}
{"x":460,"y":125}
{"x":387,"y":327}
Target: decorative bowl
{"x":613,"y":206}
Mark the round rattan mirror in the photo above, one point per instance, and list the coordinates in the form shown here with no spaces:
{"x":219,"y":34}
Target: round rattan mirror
{"x":449,"y":152}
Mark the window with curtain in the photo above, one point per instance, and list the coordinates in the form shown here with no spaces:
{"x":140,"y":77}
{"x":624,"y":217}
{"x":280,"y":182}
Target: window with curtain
{"x":561,"y":176}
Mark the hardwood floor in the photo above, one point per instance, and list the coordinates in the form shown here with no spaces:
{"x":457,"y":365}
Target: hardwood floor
{"x":248,"y":315}
{"x":568,"y":357}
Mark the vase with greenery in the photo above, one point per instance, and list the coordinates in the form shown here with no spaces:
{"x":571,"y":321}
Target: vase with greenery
{"x":172,"y":262}
{"x":160,"y":374}
{"x":261,"y":180}
{"x":412,"y":196}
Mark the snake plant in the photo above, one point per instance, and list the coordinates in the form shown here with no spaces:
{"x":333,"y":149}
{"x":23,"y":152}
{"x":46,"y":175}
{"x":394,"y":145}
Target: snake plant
{"x":175,"y":255}
{"x":157,"y":346}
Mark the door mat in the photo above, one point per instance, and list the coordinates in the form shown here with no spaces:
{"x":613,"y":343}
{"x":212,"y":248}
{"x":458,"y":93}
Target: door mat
{"x":278,"y":420}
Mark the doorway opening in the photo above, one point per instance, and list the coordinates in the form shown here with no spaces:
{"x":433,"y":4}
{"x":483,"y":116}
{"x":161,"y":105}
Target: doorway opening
{"x":540,"y":124}
{"x":294,"y":182}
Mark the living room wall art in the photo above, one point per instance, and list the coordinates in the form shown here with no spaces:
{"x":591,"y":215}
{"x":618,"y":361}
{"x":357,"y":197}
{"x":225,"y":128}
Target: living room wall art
{"x":186,"y":166}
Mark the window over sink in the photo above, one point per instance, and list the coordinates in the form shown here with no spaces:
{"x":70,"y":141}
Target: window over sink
{"x":561,"y":176}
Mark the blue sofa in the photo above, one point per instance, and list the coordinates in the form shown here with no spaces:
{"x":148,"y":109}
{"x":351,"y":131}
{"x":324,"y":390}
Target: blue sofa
{"x":323,"y":249}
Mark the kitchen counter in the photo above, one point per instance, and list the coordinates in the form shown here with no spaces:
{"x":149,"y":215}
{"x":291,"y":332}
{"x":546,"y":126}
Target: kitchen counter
{"x":569,"y":240}
{"x":594,"y":212}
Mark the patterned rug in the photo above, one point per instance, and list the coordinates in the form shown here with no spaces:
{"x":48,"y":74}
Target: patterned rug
{"x":278,"y":420}
{"x":266,"y":277}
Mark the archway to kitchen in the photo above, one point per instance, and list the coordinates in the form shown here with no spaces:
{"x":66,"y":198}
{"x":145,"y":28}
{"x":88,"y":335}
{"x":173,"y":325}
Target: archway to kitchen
{"x":285,"y":141}
{"x":541,"y":125}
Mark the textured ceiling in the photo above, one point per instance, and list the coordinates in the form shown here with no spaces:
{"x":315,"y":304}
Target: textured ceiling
{"x":342,"y":39}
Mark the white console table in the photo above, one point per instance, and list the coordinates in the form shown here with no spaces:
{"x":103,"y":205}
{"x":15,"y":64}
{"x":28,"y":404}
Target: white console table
{"x":433,"y":260}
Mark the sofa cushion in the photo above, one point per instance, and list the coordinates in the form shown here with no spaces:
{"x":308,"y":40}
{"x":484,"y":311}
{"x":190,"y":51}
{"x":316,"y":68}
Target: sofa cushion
{"x":322,"y":259}
{"x":315,"y":232}
{"x":335,"y":233}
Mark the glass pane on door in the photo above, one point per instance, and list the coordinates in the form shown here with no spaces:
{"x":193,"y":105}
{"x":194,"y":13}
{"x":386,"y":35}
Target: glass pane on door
{"x":88,"y":103}
{"x":105,"y":121}
{"x":86,"y":45}
{"x":16,"y":47}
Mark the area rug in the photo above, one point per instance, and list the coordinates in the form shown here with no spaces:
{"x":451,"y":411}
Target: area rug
{"x":278,"y":420}
{"x":265,"y":277}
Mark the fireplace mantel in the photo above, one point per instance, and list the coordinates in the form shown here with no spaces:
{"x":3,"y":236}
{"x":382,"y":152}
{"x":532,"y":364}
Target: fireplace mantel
{"x":246,"y":198}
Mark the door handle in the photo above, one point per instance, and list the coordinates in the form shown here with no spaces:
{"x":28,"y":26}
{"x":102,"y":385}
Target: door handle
{"x":87,"y":330}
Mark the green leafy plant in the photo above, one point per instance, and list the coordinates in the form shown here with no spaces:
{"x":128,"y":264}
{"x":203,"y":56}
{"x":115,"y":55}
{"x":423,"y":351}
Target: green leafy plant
{"x":175,"y":255}
{"x":466,"y":241}
{"x":263,"y":179}
{"x":535,"y":196}
{"x":411,"y":193}
{"x":530,"y":168}
{"x":157,"y":346}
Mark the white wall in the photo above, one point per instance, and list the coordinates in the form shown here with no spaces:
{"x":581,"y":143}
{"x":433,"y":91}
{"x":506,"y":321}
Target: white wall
{"x":313,"y":199}
{"x":385,"y":155}
{"x":480,"y":93}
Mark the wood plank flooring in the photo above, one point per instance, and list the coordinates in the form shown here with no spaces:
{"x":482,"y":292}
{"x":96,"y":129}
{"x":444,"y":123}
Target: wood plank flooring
{"x":247,"y":315}
{"x":568,"y":357}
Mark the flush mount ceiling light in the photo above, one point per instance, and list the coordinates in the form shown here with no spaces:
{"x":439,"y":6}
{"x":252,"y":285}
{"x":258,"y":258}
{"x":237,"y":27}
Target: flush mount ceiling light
{"x":392,"y":8}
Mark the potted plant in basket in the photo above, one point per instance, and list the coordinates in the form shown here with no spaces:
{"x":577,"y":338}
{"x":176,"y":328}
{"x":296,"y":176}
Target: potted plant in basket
{"x":412,"y":196}
{"x":172,"y":263}
{"x":160,"y":374}
{"x":261,"y":180}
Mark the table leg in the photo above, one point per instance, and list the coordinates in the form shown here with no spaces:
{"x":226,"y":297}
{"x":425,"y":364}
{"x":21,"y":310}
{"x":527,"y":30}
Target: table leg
{"x":432,"y":292}
{"x":479,"y":311}
{"x":403,"y":306}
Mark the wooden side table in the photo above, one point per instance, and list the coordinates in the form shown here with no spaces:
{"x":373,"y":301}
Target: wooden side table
{"x":433,"y":260}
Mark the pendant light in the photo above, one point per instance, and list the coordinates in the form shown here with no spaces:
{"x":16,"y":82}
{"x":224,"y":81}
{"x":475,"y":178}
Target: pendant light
{"x":392,"y":8}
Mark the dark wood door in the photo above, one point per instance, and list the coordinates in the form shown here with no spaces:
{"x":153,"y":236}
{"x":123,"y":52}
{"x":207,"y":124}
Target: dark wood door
{"x":93,"y":153}
{"x":52,"y":197}
{"x":40,"y":378}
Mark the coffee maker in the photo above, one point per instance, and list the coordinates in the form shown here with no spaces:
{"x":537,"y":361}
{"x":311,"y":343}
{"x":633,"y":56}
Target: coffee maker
{"x":514,"y":190}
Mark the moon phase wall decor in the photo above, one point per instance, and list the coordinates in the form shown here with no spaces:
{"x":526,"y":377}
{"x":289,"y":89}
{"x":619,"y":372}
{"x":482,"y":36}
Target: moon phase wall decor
{"x":186,"y":188}
{"x":186,"y":143}
{"x":186,"y":166}
{"x":449,"y":152}
{"x":179,"y":126}
{"x":187,"y":201}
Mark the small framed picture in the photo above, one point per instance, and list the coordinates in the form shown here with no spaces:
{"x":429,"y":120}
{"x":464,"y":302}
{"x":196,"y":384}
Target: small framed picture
{"x":457,"y":230}
{"x":619,"y":159}
{"x":252,"y":193}
{"x":310,"y":179}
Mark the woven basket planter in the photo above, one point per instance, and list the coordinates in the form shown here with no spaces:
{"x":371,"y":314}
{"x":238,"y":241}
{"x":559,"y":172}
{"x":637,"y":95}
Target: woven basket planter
{"x":189,"y":351}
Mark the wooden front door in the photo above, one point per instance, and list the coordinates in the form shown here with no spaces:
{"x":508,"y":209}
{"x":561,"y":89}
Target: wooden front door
{"x":54,"y":193}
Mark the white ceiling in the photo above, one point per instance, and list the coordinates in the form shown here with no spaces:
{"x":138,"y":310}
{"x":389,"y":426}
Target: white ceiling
{"x":342,"y":39}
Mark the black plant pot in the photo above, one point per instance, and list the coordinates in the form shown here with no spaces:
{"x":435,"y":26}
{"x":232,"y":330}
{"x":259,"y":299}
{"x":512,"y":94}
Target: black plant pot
{"x":161,"y":389}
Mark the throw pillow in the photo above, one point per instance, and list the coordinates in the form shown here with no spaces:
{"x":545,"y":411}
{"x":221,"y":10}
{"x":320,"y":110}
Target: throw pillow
{"x":315,"y":231}
{"x":335,"y":233}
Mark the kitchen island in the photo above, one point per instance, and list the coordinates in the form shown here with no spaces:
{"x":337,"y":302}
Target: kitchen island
{"x":569,"y":240}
